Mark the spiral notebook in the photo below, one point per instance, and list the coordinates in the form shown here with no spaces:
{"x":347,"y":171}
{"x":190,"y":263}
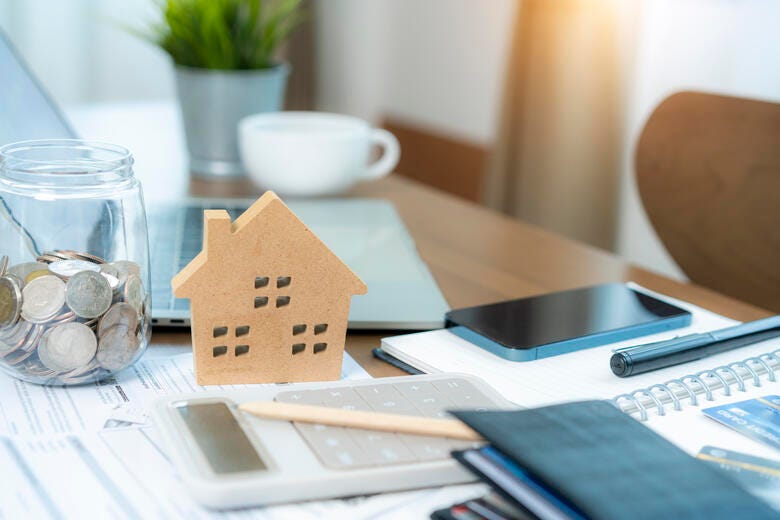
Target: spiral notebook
{"x":669,"y":400}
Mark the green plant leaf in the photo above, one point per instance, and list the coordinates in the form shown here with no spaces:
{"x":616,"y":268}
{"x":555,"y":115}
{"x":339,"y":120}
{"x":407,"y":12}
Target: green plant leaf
{"x":223,"y":34}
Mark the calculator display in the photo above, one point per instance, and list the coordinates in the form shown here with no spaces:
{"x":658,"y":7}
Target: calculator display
{"x":220,"y":438}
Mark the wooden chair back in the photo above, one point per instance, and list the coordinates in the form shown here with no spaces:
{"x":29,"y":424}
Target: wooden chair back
{"x":445,"y":162}
{"x":708,"y":172}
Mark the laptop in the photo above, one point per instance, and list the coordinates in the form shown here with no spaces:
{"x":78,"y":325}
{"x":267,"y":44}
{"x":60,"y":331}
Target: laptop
{"x":367,"y":234}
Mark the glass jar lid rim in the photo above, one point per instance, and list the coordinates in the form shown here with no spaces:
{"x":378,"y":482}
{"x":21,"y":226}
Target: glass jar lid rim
{"x":121,"y":157}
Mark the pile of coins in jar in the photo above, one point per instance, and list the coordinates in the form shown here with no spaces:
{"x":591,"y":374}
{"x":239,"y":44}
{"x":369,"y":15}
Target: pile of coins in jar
{"x":70,"y":317}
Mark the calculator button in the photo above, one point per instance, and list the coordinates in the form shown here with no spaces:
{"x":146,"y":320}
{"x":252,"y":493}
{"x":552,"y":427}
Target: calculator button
{"x":471,"y":401}
{"x":299,"y":397}
{"x":356,"y":405}
{"x":381,"y":447}
{"x":455,"y":386}
{"x":413,"y":389}
{"x":334,"y":447}
{"x":427,"y":448}
{"x":339,"y":395}
{"x":397,"y":405}
{"x":378,"y":393}
{"x":432,"y":404}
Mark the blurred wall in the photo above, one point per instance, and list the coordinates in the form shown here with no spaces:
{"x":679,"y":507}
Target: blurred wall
{"x":436,"y":63}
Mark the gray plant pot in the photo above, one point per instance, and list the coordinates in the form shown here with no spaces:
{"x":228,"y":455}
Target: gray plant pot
{"x":212,"y":103}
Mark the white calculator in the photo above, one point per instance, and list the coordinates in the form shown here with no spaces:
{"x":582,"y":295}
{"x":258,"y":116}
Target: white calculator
{"x":229,"y":459}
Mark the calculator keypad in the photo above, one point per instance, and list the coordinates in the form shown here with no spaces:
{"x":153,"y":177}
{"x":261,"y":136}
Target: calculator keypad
{"x":348,"y":448}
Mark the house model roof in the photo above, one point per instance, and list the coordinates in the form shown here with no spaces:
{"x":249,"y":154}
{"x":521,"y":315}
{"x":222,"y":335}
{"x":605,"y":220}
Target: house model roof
{"x":267,"y":216}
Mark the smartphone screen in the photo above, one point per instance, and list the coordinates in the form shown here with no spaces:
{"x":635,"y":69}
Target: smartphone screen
{"x":220,"y":437}
{"x":552,"y":318}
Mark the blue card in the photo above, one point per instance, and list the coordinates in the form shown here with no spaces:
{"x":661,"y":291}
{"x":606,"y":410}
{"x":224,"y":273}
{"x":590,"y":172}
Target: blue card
{"x":758,"y":419}
{"x":758,"y":476}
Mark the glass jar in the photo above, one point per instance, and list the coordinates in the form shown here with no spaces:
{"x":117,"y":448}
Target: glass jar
{"x":74,"y":262}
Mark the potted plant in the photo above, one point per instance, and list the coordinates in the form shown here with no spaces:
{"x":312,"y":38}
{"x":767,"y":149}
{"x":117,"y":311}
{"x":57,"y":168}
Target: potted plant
{"x":224,"y":56}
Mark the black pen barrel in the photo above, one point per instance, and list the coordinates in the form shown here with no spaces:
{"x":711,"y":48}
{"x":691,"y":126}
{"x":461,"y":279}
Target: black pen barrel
{"x":626,"y":364}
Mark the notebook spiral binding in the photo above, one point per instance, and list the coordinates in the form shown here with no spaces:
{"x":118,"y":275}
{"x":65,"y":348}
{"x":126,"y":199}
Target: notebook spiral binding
{"x":705,"y":383}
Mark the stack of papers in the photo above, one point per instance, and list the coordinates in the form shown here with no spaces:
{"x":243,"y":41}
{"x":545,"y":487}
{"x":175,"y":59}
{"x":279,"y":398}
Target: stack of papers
{"x":91,"y":452}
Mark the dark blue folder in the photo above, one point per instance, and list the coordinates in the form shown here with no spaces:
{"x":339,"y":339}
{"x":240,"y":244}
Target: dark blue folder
{"x":607,"y":465}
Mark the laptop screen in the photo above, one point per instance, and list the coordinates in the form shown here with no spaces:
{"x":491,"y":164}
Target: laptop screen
{"x":26,"y":112}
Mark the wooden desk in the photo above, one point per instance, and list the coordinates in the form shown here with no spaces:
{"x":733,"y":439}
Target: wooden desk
{"x":476,"y":255}
{"x":479,"y":256}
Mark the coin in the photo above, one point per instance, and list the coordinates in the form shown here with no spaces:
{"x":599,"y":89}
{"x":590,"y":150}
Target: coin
{"x":125,"y":268}
{"x":88,"y":294}
{"x":14,"y":337}
{"x":119,"y":314}
{"x":67,"y":346}
{"x":111,"y":274}
{"x":3,"y":265}
{"x":63,"y":317}
{"x":134,"y":292}
{"x":76,"y":372}
{"x":36,"y":274}
{"x":117,"y":348}
{"x":78,"y":255}
{"x":53,"y":256}
{"x":22,"y":270}
{"x":47,"y":259}
{"x":67,"y":268}
{"x":28,"y":346}
{"x":34,"y":367}
{"x":19,"y":281}
{"x":42,"y":299}
{"x":10,"y":301}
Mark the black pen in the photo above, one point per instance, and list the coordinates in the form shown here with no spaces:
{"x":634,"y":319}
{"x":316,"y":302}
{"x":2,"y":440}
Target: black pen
{"x":630,"y":361}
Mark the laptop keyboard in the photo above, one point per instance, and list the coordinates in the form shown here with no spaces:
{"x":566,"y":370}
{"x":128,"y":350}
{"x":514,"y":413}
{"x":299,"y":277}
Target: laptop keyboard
{"x":177,"y":238}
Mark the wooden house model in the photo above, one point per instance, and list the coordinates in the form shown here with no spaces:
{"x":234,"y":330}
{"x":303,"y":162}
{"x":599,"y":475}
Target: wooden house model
{"x":269,"y":301}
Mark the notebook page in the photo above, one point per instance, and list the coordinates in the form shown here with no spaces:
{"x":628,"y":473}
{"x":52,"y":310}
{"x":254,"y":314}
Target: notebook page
{"x":578,"y":375}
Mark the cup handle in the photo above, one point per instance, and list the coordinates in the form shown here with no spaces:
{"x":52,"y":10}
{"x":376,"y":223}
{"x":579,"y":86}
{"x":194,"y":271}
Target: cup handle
{"x":391,"y":153}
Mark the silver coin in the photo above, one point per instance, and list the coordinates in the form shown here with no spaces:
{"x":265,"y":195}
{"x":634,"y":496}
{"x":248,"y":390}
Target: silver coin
{"x":14,"y":337}
{"x":63,"y":317}
{"x":117,"y":348}
{"x":24,"y":270}
{"x":28,"y":347}
{"x":35,"y":368}
{"x":78,"y":255}
{"x":58,"y":255}
{"x":77,"y":372}
{"x":42,"y":299}
{"x":88,"y":294}
{"x":111,"y":274}
{"x":92,"y":324}
{"x":125,"y":268}
{"x":47,"y":259}
{"x":134,"y":292}
{"x":119,"y":314}
{"x":10,"y":301}
{"x":67,"y":268}
{"x":67,"y":346}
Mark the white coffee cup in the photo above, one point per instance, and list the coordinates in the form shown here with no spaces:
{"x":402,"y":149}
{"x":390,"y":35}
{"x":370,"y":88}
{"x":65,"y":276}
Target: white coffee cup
{"x":313,"y":153}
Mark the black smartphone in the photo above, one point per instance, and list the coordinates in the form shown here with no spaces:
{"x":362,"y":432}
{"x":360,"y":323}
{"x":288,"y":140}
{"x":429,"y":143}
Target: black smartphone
{"x":562,"y":322}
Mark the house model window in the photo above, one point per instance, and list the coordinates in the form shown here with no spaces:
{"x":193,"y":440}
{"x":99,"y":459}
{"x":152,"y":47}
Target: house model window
{"x":269,"y":300}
